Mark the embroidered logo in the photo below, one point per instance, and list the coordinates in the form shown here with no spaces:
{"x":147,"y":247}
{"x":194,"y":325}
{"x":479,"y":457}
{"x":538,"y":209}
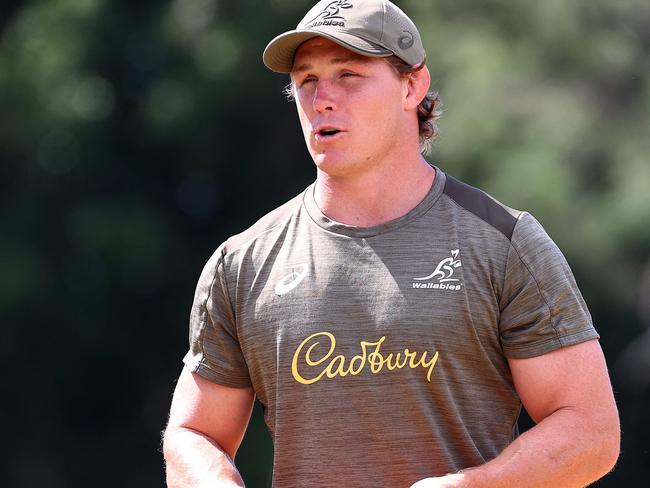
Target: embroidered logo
{"x":443,"y":275}
{"x":289,"y":282}
{"x":330,"y":15}
{"x":406,"y":41}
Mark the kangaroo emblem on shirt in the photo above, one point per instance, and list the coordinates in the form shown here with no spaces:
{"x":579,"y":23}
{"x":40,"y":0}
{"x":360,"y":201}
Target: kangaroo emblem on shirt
{"x":445,"y":269}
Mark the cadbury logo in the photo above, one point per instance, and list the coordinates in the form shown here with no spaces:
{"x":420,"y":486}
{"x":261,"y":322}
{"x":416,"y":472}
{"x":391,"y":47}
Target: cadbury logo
{"x":311,"y":364}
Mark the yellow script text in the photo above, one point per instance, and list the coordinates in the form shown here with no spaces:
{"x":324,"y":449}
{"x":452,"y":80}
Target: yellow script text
{"x":370,"y":357}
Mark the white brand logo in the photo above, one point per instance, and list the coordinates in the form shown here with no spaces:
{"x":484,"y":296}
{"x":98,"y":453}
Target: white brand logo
{"x":289,"y":282}
{"x":443,"y":274}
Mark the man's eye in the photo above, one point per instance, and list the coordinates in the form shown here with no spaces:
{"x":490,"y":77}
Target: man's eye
{"x":307,"y":80}
{"x":346,"y":75}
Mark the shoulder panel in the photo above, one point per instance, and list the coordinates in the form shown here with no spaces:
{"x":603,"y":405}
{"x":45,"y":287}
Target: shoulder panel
{"x":482,"y":205}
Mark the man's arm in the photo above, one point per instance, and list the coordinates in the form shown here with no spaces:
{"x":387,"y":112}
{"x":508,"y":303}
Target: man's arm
{"x":206,"y":425}
{"x":577,"y":437}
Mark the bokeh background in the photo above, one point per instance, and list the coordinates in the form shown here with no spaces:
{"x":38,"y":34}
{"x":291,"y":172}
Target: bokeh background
{"x":136,"y":136}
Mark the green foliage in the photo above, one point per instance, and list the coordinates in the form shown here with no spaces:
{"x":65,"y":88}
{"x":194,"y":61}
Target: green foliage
{"x":136,"y":136}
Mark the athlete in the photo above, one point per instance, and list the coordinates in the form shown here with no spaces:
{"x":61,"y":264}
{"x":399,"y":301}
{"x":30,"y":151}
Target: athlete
{"x":390,"y":319}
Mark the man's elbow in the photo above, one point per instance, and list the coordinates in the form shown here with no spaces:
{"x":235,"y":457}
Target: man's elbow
{"x":167,"y":442}
{"x":175,"y":438}
{"x":171,"y":440}
{"x":612,"y":449}
{"x":172,"y":456}
{"x":610,"y":445}
{"x":181,"y":438}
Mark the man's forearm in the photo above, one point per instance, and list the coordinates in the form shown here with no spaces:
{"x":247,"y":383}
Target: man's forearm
{"x":563,"y":450}
{"x":194,"y":460}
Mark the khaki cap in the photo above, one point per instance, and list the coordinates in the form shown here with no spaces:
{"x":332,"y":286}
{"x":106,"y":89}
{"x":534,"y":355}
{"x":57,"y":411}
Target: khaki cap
{"x":375,"y":28}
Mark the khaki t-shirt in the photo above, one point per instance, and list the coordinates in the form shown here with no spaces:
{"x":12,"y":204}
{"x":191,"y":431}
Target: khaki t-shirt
{"x":380,"y":354}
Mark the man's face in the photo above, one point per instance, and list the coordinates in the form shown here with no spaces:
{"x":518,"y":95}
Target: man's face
{"x":350,"y":107}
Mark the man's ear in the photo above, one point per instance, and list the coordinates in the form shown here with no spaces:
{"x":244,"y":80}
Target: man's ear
{"x":417,"y":85}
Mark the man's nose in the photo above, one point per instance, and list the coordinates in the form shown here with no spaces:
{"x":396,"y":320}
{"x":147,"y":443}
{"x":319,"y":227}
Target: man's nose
{"x":324,"y":97}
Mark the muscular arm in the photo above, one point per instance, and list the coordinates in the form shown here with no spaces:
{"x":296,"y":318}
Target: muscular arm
{"x":206,"y":425}
{"x":577,"y":437}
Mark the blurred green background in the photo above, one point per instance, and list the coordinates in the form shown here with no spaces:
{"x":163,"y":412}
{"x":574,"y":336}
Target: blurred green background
{"x":136,"y":136}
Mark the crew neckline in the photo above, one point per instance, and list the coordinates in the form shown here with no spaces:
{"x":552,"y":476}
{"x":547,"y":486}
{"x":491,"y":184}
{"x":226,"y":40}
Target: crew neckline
{"x":323,"y":221}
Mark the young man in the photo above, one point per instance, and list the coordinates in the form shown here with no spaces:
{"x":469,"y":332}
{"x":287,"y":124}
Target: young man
{"x":390,"y":319}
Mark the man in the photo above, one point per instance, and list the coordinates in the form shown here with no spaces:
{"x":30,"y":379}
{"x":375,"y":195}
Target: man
{"x":390,"y":319}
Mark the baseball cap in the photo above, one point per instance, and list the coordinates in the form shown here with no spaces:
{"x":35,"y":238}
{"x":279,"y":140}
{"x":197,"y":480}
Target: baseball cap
{"x":375,"y":28}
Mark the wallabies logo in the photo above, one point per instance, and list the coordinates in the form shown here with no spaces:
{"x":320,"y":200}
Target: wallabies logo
{"x":330,"y":15}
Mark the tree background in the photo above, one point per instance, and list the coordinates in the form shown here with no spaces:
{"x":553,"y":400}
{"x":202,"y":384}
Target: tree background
{"x":136,"y":136}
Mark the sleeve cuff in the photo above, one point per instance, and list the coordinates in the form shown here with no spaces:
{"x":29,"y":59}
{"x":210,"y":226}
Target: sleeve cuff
{"x":525,"y":351}
{"x":219,"y":377}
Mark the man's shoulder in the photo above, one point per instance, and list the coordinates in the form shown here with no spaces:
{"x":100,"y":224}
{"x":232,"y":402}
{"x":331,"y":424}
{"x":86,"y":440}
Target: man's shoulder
{"x":482,"y":205}
{"x":264,"y":225}
{"x":521,"y":229}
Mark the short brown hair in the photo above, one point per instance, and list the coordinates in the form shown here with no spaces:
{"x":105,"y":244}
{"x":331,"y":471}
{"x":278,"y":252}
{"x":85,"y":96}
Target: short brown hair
{"x":430,"y":108}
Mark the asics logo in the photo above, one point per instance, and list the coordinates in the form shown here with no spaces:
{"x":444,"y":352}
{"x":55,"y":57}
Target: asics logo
{"x":406,"y":41}
{"x":289,"y":282}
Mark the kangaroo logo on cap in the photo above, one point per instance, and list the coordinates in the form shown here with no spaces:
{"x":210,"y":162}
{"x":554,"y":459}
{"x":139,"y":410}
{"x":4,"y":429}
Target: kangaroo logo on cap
{"x":406,"y":41}
{"x":330,"y":15}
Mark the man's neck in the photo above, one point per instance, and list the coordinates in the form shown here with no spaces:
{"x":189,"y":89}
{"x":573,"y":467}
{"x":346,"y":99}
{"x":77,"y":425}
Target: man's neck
{"x":375,"y":197}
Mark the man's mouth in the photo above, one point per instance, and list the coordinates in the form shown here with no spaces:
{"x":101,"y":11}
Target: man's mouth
{"x":327,"y":133}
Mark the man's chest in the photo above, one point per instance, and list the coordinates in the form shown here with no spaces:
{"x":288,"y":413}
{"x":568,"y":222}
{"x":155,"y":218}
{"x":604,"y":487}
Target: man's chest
{"x":343,"y":308}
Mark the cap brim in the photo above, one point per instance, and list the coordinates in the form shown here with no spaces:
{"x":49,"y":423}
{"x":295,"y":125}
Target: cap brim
{"x":279,"y":53}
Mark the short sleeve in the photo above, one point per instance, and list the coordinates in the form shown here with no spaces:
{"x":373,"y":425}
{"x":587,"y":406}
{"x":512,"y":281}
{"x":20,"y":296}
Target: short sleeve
{"x":215,"y":353}
{"x":541,"y":306}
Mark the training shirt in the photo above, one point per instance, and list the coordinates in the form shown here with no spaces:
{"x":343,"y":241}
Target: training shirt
{"x":380,"y":354}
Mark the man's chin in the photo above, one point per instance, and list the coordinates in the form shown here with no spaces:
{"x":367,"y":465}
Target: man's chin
{"x":328,"y":163}
{"x":324,"y":159}
{"x":340,"y":165}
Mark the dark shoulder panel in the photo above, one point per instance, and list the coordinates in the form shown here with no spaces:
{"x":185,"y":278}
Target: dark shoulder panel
{"x":482,"y":205}
{"x":269,"y":221}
